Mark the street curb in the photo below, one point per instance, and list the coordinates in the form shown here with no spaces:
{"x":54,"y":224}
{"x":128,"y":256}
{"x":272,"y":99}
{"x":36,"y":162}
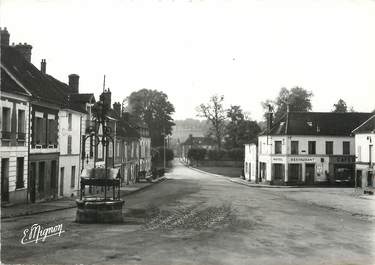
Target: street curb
{"x":162,"y":179}
{"x":205,"y":172}
{"x":240,"y":182}
{"x":262,"y":186}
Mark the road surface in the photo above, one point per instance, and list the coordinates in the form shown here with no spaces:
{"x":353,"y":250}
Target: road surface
{"x":197,"y":218}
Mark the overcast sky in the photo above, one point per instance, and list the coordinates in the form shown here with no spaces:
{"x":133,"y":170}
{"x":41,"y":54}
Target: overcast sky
{"x":246,"y":50}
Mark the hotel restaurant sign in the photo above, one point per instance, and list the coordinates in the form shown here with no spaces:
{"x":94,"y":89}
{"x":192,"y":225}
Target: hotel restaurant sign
{"x":314,"y":159}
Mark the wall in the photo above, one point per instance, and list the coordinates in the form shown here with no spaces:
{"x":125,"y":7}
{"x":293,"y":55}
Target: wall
{"x":250,"y":164}
{"x":16,"y":147}
{"x":303,"y":144}
{"x":362,"y":142}
{"x":67,"y":162}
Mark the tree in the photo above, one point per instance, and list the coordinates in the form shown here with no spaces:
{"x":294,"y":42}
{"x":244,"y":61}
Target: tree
{"x":152,"y":107}
{"x":298,"y":99}
{"x":240,"y":129}
{"x":214,"y":112}
{"x":196,"y":154}
{"x":340,"y":106}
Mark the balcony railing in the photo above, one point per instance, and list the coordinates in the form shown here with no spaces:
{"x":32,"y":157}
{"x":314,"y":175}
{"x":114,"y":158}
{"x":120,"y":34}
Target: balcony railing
{"x":5,"y":135}
{"x":21,"y":136}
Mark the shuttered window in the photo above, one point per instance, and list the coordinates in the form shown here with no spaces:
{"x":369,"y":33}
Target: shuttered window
{"x":69,"y":144}
{"x":21,"y":121}
{"x":52,"y":132}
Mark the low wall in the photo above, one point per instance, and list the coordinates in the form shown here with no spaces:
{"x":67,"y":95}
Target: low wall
{"x":218,"y":163}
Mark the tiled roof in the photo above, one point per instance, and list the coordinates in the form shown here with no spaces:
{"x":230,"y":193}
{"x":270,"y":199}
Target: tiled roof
{"x":8,"y":84}
{"x":82,"y":98}
{"x":318,"y":123}
{"x":366,"y":127}
{"x":42,"y":87}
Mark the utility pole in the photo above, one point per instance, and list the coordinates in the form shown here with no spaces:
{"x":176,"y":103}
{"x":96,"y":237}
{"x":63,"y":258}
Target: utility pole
{"x":164,"y":150}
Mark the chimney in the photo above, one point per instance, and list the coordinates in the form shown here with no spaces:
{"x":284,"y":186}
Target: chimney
{"x":74,"y":83}
{"x":4,"y":37}
{"x":25,"y":50}
{"x":43,"y":65}
{"x":117,"y":108}
{"x":269,"y":118}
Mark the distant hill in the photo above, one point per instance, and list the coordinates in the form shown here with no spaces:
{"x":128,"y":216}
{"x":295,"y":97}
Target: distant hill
{"x":184,"y":128}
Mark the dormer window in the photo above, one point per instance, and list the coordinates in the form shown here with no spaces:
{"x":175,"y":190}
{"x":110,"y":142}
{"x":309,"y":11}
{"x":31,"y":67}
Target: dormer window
{"x":310,"y":123}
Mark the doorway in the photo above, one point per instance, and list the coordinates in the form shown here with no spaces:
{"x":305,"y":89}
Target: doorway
{"x":62,"y":181}
{"x":310,"y":174}
{"x":32,"y":181}
{"x":5,"y":179}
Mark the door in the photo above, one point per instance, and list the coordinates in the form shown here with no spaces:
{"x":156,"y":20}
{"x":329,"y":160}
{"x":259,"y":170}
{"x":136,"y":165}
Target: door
{"x":62,"y":181}
{"x":358,"y":179}
{"x":5,"y":179}
{"x":32,"y":181}
{"x":310,"y":173}
{"x":54,"y":179}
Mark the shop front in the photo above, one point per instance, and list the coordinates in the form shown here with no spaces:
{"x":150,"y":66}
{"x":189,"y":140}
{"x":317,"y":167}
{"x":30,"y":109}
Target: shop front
{"x":342,"y":169}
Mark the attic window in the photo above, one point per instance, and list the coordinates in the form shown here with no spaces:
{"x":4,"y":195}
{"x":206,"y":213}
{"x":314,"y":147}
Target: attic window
{"x":310,"y":123}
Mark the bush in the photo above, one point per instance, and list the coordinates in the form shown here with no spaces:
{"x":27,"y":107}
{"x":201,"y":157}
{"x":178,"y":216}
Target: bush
{"x":236,"y":154}
{"x":158,"y":154}
{"x":216,"y":154}
{"x":196,"y":154}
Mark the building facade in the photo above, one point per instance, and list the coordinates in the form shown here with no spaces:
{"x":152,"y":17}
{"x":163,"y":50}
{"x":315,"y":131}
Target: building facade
{"x":14,"y":122}
{"x":251,"y":162}
{"x":308,"y":148}
{"x":365,"y":154}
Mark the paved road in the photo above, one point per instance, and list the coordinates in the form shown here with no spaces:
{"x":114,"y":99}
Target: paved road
{"x":195,"y":218}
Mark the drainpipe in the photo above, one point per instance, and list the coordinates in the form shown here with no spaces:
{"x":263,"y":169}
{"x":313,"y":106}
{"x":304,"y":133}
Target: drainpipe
{"x":80,"y":149}
{"x":28,"y":159}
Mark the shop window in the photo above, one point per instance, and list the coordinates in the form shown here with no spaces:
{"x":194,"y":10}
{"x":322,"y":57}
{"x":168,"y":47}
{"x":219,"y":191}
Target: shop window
{"x":294,"y":148}
{"x":278,"y":171}
{"x":346,"y":148}
{"x":369,"y":179}
{"x":294,"y":172}
{"x":329,"y":148}
{"x":20,"y":170}
{"x":312,"y":147}
{"x":277,"y":147}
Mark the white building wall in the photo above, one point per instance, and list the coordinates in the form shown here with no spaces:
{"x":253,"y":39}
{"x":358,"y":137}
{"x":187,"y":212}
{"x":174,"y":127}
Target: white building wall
{"x":250,"y":164}
{"x":12,"y":152}
{"x":65,"y":187}
{"x":266,"y":151}
{"x":362,"y":142}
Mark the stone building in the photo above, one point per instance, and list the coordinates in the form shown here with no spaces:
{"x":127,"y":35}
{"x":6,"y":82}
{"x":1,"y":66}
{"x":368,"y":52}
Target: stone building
{"x":365,"y":154}
{"x":14,"y":122}
{"x":308,"y":148}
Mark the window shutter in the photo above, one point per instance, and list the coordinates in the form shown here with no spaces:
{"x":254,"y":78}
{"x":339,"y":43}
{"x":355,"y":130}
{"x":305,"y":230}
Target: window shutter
{"x":44,"y":131}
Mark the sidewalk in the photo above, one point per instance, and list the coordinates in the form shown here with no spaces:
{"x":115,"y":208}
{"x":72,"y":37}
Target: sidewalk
{"x":335,"y":198}
{"x":251,"y":184}
{"x":64,"y":203}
